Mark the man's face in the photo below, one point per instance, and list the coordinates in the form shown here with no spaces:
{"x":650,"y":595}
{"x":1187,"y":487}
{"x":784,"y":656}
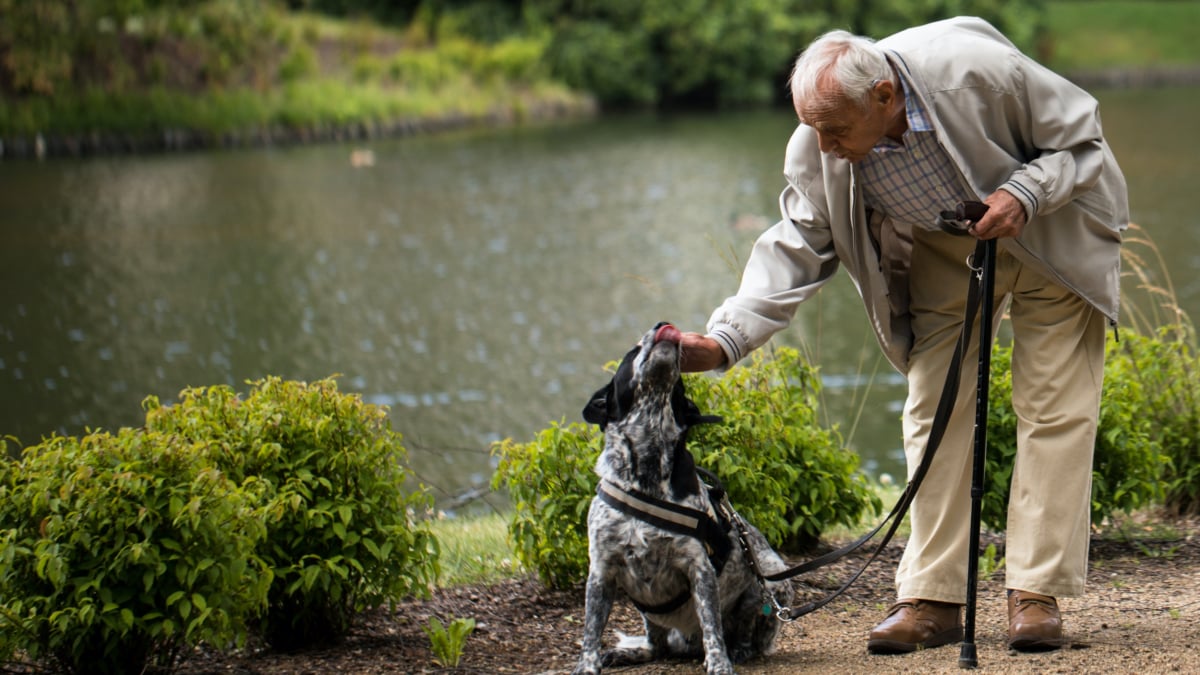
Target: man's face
{"x":843,"y":128}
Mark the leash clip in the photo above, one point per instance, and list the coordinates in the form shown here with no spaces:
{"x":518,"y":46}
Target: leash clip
{"x":972,"y":266}
{"x":784,"y":614}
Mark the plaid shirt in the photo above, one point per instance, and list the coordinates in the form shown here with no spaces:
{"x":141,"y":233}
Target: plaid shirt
{"x":913,"y":180}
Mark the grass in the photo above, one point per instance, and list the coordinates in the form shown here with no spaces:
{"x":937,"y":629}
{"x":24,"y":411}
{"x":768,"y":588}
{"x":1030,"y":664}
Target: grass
{"x":475,"y":549}
{"x":1101,"y":34}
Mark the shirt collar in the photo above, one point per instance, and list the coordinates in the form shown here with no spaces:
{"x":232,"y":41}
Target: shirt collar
{"x":918,"y":120}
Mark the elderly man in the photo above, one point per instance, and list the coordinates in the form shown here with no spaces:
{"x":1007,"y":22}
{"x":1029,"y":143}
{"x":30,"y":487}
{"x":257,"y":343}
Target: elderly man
{"x":891,"y":133}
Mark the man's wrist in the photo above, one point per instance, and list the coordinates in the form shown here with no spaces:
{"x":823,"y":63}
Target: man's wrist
{"x":729,"y":345}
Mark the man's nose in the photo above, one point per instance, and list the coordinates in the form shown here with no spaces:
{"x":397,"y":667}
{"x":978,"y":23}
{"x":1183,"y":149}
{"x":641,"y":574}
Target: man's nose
{"x":824,"y":142}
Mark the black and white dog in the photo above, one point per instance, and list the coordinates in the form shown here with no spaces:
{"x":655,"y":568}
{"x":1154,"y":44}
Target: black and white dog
{"x":662,"y":535}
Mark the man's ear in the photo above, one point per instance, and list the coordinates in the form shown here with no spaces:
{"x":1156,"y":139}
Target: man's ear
{"x":596,"y":410}
{"x":884,"y":91}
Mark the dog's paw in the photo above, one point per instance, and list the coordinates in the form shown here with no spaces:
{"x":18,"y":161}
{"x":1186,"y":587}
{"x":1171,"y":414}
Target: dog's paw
{"x":631,"y":650}
{"x":588,"y":665}
{"x":718,"y":667}
{"x":620,"y":658}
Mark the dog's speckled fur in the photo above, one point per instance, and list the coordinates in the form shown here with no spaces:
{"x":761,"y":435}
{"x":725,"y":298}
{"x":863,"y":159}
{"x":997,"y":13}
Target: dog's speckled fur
{"x":645,"y":415}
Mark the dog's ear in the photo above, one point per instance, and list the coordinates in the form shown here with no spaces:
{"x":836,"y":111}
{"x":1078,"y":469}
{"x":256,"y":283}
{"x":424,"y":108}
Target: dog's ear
{"x":613,"y":400}
{"x":596,"y":410}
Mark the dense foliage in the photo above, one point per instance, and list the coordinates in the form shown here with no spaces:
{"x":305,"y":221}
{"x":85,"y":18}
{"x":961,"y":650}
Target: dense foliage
{"x":685,"y":51}
{"x":54,"y":48}
{"x":120,"y":551}
{"x":342,"y":536}
{"x":1128,"y":464}
{"x":1164,"y":368}
{"x":786,"y":475}
{"x":551,"y":481}
{"x":725,"y":51}
{"x":195,"y":71}
{"x":280,"y":513}
{"x":124,"y":75}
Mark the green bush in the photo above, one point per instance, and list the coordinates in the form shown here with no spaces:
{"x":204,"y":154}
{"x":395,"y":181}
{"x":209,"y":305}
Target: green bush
{"x":611,"y":62}
{"x":117,"y":552}
{"x":1164,"y":368}
{"x":52,"y":48}
{"x":551,"y":482}
{"x":672,"y":51}
{"x":420,"y":69}
{"x":342,"y":536}
{"x":300,"y":62}
{"x":786,"y":475}
{"x":513,"y":60}
{"x":1127,"y":464}
{"x":367,"y":68}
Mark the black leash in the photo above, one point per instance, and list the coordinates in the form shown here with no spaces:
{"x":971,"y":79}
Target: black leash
{"x":967,"y":211}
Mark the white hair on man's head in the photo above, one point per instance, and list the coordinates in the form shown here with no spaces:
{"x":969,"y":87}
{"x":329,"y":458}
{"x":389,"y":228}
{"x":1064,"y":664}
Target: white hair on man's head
{"x":838,"y":64}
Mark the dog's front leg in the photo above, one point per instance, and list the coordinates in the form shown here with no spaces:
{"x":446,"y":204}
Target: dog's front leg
{"x":598,"y":602}
{"x":708,"y":611}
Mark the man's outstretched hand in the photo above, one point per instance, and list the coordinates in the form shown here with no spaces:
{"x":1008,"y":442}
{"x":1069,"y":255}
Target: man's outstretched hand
{"x":699,"y":353}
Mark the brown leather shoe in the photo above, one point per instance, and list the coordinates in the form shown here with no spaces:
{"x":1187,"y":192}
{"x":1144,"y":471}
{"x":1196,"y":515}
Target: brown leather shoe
{"x":913,"y":624}
{"x":1034,"y":623}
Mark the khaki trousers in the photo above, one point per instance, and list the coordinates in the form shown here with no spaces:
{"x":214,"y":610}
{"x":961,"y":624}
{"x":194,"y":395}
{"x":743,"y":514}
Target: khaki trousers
{"x":1058,"y":369}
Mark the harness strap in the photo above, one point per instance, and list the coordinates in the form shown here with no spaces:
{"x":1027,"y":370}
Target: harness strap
{"x":662,"y":514}
{"x":710,"y":529}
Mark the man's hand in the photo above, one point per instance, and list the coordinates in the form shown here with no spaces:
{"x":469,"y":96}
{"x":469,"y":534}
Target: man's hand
{"x":1005,"y":217}
{"x":700,"y":353}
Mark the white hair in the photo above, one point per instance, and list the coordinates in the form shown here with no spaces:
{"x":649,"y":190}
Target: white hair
{"x":852,"y":64}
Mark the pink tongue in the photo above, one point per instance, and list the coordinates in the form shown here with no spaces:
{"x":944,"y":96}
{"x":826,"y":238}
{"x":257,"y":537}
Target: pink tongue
{"x":669,"y":333}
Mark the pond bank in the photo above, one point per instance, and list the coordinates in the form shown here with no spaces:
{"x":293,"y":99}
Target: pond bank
{"x":168,"y":140}
{"x":115,"y":143}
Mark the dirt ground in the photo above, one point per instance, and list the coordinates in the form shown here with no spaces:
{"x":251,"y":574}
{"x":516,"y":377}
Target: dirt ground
{"x":1141,"y":614}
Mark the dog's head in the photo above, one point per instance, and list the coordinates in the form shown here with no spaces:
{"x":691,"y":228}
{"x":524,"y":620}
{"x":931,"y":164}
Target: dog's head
{"x":650,"y":369}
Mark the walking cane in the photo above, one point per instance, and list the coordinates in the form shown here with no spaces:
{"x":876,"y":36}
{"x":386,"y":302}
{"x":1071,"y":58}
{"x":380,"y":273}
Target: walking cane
{"x":967,"y":658}
{"x":984,"y":266}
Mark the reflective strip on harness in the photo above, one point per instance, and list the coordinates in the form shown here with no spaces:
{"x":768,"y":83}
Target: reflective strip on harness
{"x":679,"y":519}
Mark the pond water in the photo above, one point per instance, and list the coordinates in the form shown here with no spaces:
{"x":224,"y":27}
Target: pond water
{"x":476,"y":283}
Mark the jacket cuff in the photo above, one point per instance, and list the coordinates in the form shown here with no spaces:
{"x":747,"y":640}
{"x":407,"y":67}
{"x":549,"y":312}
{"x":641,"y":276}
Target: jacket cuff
{"x":1024,"y":195}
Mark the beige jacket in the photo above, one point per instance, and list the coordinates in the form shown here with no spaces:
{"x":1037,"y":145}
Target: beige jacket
{"x":1005,"y":121}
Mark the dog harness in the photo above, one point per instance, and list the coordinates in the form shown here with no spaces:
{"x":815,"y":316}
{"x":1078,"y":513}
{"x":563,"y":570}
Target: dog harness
{"x":710,"y":526}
